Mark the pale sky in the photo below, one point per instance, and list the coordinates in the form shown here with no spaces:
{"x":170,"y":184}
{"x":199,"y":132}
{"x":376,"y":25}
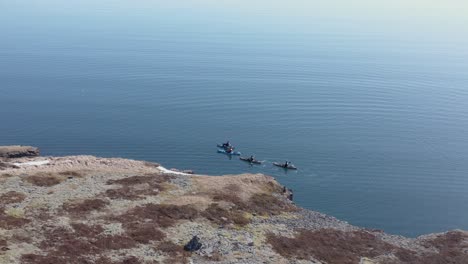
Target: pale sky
{"x":438,"y":17}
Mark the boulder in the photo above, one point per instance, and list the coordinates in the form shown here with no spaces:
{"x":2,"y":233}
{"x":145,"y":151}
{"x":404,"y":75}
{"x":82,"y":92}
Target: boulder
{"x":193,"y":245}
{"x":18,"y":151}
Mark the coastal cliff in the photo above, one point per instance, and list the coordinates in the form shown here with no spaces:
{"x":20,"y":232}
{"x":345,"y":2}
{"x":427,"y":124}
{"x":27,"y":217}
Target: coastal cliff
{"x":85,"y":209}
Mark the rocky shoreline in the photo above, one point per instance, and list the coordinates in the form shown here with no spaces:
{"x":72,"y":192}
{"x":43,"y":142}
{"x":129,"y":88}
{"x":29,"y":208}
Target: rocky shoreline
{"x":85,"y":209}
{"x":8,"y":152}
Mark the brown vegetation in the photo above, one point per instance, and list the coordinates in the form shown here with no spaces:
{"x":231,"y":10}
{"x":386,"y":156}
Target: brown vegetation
{"x":334,"y":246}
{"x":219,"y":215}
{"x":61,"y":245}
{"x":10,"y":222}
{"x":266,"y":204}
{"x":125,"y":193}
{"x":152,"y":185}
{"x":83,"y":230}
{"x":3,"y":243}
{"x":85,"y":207}
{"x":71,"y":173}
{"x":175,"y":253}
{"x":21,"y":238}
{"x":143,"y":232}
{"x":260,"y":203}
{"x":214,"y":257}
{"x":163,"y":215}
{"x":151,"y":164}
{"x":44,"y":179}
{"x":47,"y":179}
{"x":127,"y":260}
{"x":150,"y":179}
{"x":11,"y":197}
{"x":452,"y":248}
{"x":115,"y":242}
{"x":329,"y":245}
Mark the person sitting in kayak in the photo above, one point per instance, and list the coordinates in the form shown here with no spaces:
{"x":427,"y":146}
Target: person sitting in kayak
{"x":229,"y":150}
{"x":252,"y":158}
{"x":286,"y":164}
{"x":227,"y":144}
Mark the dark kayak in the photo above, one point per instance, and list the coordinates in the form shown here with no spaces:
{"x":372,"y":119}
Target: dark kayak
{"x":290,"y":167}
{"x":251,"y":161}
{"x":237,"y":153}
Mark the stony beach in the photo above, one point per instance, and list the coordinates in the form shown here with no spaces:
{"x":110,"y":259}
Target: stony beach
{"x":86,"y":209}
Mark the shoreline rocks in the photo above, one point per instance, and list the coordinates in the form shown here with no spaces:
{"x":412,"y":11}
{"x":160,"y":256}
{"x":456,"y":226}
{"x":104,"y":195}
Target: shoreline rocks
{"x":115,"y":209}
{"x":11,"y":152}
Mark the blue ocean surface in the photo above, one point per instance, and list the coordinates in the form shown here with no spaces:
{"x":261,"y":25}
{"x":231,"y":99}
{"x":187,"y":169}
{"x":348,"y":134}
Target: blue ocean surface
{"x":376,"y":119}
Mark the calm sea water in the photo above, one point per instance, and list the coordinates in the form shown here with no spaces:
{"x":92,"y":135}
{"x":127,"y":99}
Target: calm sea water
{"x":376,"y":122}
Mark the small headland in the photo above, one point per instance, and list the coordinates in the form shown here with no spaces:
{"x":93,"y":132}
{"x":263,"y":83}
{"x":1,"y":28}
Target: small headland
{"x":86,"y":209}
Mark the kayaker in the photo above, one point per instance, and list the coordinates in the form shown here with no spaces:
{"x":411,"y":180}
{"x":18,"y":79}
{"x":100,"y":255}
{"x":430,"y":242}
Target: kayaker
{"x":229,"y":150}
{"x":286,"y":164}
{"x":227,"y":144}
{"x":252,"y":158}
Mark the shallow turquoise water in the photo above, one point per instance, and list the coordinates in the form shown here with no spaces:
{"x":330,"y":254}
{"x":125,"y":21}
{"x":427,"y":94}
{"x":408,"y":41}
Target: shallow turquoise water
{"x":376,"y":122}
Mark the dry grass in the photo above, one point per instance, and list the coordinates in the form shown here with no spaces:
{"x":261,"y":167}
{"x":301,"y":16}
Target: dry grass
{"x":452,"y":248}
{"x":162,"y":215}
{"x":329,"y":245}
{"x":21,"y":238}
{"x":71,"y":173}
{"x":47,"y":179}
{"x":149,"y":179}
{"x":11,"y":197}
{"x":219,"y":215}
{"x":261,"y":203}
{"x":10,"y":222}
{"x":143,"y":232}
{"x":138,"y":187}
{"x":266,"y":204}
{"x":125,"y":193}
{"x":175,"y":253}
{"x":127,"y":260}
{"x":151,"y":164}
{"x":44,"y":179}
{"x":243,"y":186}
{"x":214,"y":257}
{"x":333,"y":246}
{"x":83,"y":230}
{"x":115,"y":242}
{"x":85,"y":207}
{"x":61,"y":245}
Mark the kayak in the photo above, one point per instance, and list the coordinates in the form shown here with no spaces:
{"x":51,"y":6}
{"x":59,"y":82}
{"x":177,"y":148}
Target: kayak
{"x":237,"y":153}
{"x":290,"y":167}
{"x":251,"y":161}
